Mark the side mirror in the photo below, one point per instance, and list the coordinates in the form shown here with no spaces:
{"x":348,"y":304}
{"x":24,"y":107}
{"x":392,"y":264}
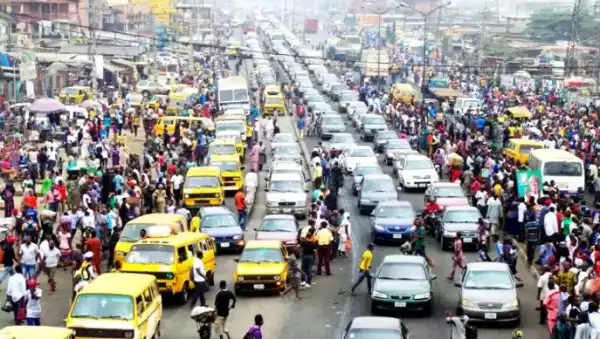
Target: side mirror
{"x":255,"y":229}
{"x":372,"y":213}
{"x":519,"y":284}
{"x":399,"y":188}
{"x":457,"y":284}
{"x":433,"y":277}
{"x":242,"y":167}
{"x":306,"y":191}
{"x":266,"y":189}
{"x":236,"y":259}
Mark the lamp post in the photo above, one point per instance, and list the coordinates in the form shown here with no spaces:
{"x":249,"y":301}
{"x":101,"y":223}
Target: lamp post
{"x":425,"y":16}
{"x":379,"y":15}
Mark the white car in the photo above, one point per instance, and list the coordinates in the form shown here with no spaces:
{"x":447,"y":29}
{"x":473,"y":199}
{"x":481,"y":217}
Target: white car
{"x":357,"y":155}
{"x":415,"y":171}
{"x":328,"y":85}
{"x":287,"y":193}
{"x":284,"y":137}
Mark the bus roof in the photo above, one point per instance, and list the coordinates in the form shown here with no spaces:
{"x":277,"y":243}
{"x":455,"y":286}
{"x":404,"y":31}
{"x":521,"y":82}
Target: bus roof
{"x":553,"y":154}
{"x":119,"y":284}
{"x":232,"y":81}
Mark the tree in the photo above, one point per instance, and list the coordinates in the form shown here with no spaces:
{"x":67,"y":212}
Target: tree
{"x":551,"y":25}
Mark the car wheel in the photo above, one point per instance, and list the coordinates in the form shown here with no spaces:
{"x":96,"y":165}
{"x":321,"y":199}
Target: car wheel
{"x":373,"y":309}
{"x":182,"y":296}
{"x":373,"y":239}
{"x":388,"y":162}
{"x":443,"y":245}
{"x":428,"y":309}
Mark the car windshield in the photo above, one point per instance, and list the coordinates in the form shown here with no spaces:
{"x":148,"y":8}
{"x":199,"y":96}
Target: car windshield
{"x":201,"y":182}
{"x":278,"y":225}
{"x":231,"y":126}
{"x":526,"y":149}
{"x":468,"y":216}
{"x":218,"y":220}
{"x":283,"y":137}
{"x":488,"y":280}
{"x":131,"y":231}
{"x":394,"y":211}
{"x":70,"y":91}
{"x":374,"y":334}
{"x":398,"y":144}
{"x":228,"y":166}
{"x":448,"y":192}
{"x":361,"y":153}
{"x":285,"y":149}
{"x":286,"y":186}
{"x":342,"y":138}
{"x":151,"y":254}
{"x":563,"y":168}
{"x":375,"y":121}
{"x":332,"y":121}
{"x":378,"y":185}
{"x":419,"y":164}
{"x":364,"y":170}
{"x":257,"y":255}
{"x":103,"y":306}
{"x":402,"y":271}
{"x":222,"y":149}
{"x":386,"y":135}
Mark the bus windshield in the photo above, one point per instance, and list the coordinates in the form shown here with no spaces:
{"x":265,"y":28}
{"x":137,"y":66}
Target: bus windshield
{"x":563,"y":168}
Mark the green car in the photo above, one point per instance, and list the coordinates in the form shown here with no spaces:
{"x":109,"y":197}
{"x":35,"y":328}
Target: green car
{"x":403,"y":283}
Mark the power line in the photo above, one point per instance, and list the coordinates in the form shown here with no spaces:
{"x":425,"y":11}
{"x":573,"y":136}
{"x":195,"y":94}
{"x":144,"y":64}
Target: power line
{"x":153,"y":40}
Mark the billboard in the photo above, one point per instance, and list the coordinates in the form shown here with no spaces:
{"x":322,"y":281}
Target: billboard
{"x":368,"y":19}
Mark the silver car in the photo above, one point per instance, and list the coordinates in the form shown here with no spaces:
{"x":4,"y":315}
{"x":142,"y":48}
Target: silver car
{"x":287,"y":194}
{"x":287,"y":151}
{"x":391,"y":147}
{"x":362,"y":170}
{"x":346,"y":98}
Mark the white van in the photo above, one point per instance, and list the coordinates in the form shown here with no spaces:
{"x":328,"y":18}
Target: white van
{"x":565,"y":168}
{"x":463,"y":104}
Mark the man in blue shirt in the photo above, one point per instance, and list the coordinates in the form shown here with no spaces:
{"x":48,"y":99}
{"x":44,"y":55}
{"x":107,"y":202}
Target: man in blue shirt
{"x":118,"y":181}
{"x":254,"y":112}
{"x":432,"y":112}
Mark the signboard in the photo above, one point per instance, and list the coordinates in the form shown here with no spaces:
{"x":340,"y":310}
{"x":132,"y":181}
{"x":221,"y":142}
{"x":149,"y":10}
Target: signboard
{"x":28,"y":71}
{"x":99,"y":66}
{"x":368,"y":19}
{"x":529,"y":183}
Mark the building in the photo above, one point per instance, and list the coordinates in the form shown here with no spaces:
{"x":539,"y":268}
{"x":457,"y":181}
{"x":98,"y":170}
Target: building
{"x":5,"y":30}
{"x":40,"y":17}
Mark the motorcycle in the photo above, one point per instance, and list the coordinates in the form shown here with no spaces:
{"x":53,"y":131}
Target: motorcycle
{"x":432,"y":222}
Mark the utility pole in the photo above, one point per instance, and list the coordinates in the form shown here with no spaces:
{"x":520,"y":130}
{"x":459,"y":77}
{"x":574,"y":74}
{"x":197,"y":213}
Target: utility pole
{"x":95,"y":18}
{"x":153,"y":48}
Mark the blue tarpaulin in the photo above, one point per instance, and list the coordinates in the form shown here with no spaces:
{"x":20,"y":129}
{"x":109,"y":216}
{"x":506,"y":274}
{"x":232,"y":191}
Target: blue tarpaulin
{"x":5,"y":60}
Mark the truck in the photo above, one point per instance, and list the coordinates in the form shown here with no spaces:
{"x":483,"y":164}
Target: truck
{"x":311,"y":26}
{"x":375,"y":63}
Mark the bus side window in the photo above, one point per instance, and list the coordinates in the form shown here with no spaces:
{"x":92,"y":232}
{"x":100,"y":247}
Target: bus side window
{"x":148,"y":297}
{"x":182,"y":254}
{"x":139,"y":301}
{"x":203,"y":245}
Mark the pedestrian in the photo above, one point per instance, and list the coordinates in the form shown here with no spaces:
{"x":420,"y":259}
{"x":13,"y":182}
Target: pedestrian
{"x":9,"y":258}
{"x":364,"y":269}
{"x":94,"y":245}
{"x":15,"y":291}
{"x":318,"y":175}
{"x":242,"y":209}
{"x":296,"y":276}
{"x":308,"y":250}
{"x":458,"y":323}
{"x":34,"y":305}
{"x":458,"y":256}
{"x":255,"y":157}
{"x":255,"y":331}
{"x":199,"y":276}
{"x":324,"y":241}
{"x":532,"y":237}
{"x":87,"y":271}
{"x":29,"y":255}
{"x":301,"y":124}
{"x":51,"y":257}
{"x":224,"y":301}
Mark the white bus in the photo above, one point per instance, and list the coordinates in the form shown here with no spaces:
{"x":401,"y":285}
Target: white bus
{"x":232,"y":92}
{"x":566,"y":169}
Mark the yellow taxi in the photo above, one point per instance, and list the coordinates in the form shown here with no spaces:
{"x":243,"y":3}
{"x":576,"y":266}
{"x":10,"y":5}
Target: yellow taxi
{"x":236,"y":125}
{"x":203,"y":186}
{"x":117,"y":305}
{"x":273,"y":100}
{"x":262,"y":266}
{"x":233,"y":116}
{"x":170,"y":260}
{"x":75,"y":94}
{"x":231,"y":171}
{"x":29,"y":332}
{"x":232,"y":50}
{"x":223,"y":146}
{"x":519,"y":149}
{"x":185,"y":123}
{"x":240,"y":145}
{"x":153,"y":223}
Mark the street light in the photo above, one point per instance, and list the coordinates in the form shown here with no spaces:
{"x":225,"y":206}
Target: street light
{"x":425,"y":16}
{"x":379,"y":15}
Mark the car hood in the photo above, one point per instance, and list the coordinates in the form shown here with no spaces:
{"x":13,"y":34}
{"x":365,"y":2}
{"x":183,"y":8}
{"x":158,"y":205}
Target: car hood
{"x":402,"y":222}
{"x":452,"y":201}
{"x":460,"y":227}
{"x":354,"y":161}
{"x":489,"y":295}
{"x":284,"y":237}
{"x":342,"y":146}
{"x":402,"y":287}
{"x":376,"y":127}
{"x":222,"y":231}
{"x":334,"y":127}
{"x":266,"y":268}
{"x":286,"y":196}
{"x":379,"y":196}
{"x":428,"y":173}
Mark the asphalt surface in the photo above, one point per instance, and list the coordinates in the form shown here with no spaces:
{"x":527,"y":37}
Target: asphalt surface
{"x":445,"y":294}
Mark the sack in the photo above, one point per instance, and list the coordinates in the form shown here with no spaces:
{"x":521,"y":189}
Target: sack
{"x":7,"y":307}
{"x":348,"y":245}
{"x":248,"y":335}
{"x":470,"y":331}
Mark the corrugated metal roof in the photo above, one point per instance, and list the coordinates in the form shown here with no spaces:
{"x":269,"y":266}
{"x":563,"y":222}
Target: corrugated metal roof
{"x":124,"y":62}
{"x":112,"y":67}
{"x":124,"y":51}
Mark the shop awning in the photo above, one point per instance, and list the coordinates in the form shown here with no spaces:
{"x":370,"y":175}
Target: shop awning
{"x":113,"y":68}
{"x":124,"y":62}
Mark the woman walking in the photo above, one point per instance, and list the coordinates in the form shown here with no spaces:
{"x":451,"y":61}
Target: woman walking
{"x":8,"y":195}
{"x":458,"y":256}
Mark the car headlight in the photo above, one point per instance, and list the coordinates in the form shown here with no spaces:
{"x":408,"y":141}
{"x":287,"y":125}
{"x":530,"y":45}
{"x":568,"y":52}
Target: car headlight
{"x":468,"y":303}
{"x":128,"y":334}
{"x":271,"y":202}
{"x":240,"y":278}
{"x":512,"y":304}
{"x":379,"y":228}
{"x":277,"y":277}
{"x":237,"y":237}
{"x":376,"y":294}
{"x":301,"y":202}
{"x":187,"y":196}
{"x":422,"y":296}
{"x":217,"y":195}
{"x":449,"y":234}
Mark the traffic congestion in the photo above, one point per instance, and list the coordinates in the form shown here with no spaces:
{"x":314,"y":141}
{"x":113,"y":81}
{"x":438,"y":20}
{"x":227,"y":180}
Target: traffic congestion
{"x":271,"y":188}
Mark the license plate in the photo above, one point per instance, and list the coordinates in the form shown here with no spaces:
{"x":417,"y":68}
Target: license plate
{"x":287,"y":210}
{"x":467,"y":240}
{"x":399,"y":304}
{"x":224,"y":244}
{"x":397,"y":236}
{"x":259,"y":287}
{"x":490,"y":316}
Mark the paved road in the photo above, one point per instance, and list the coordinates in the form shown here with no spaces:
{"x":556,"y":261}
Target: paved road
{"x":445,"y":294}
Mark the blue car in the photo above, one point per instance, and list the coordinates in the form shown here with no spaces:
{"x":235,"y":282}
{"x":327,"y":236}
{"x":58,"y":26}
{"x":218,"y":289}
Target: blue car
{"x":222,"y":225}
{"x":392,"y":222}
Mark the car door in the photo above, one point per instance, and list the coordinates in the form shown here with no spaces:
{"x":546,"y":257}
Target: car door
{"x":399,"y":167}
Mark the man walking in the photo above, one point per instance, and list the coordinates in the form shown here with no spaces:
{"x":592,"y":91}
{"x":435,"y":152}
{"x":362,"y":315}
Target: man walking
{"x":301,"y":124}
{"x":364,"y":269}
{"x":240,"y":206}
{"x":222,"y":306}
{"x":324,"y":240}
{"x":199,"y":275}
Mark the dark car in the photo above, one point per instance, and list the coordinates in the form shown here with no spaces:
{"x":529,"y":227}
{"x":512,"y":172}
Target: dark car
{"x":346,"y":97}
{"x":456,"y":219}
{"x":336,"y":91}
{"x":381,"y":138}
{"x":392,"y":221}
{"x":222,"y":225}
{"x":282,"y":227}
{"x":375,"y":327}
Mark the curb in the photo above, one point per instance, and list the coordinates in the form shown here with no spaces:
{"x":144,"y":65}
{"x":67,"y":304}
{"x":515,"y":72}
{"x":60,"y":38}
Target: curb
{"x":305,"y":152}
{"x":523,"y":254}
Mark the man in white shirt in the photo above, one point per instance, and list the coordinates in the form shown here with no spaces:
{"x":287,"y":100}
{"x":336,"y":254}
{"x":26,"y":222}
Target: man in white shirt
{"x":481,"y":198}
{"x":199,"y":275}
{"x":177,"y":181}
{"x":51,"y":258}
{"x":15,"y":290}
{"x":545,"y":285}
{"x":29,"y":253}
{"x":551,"y":224}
